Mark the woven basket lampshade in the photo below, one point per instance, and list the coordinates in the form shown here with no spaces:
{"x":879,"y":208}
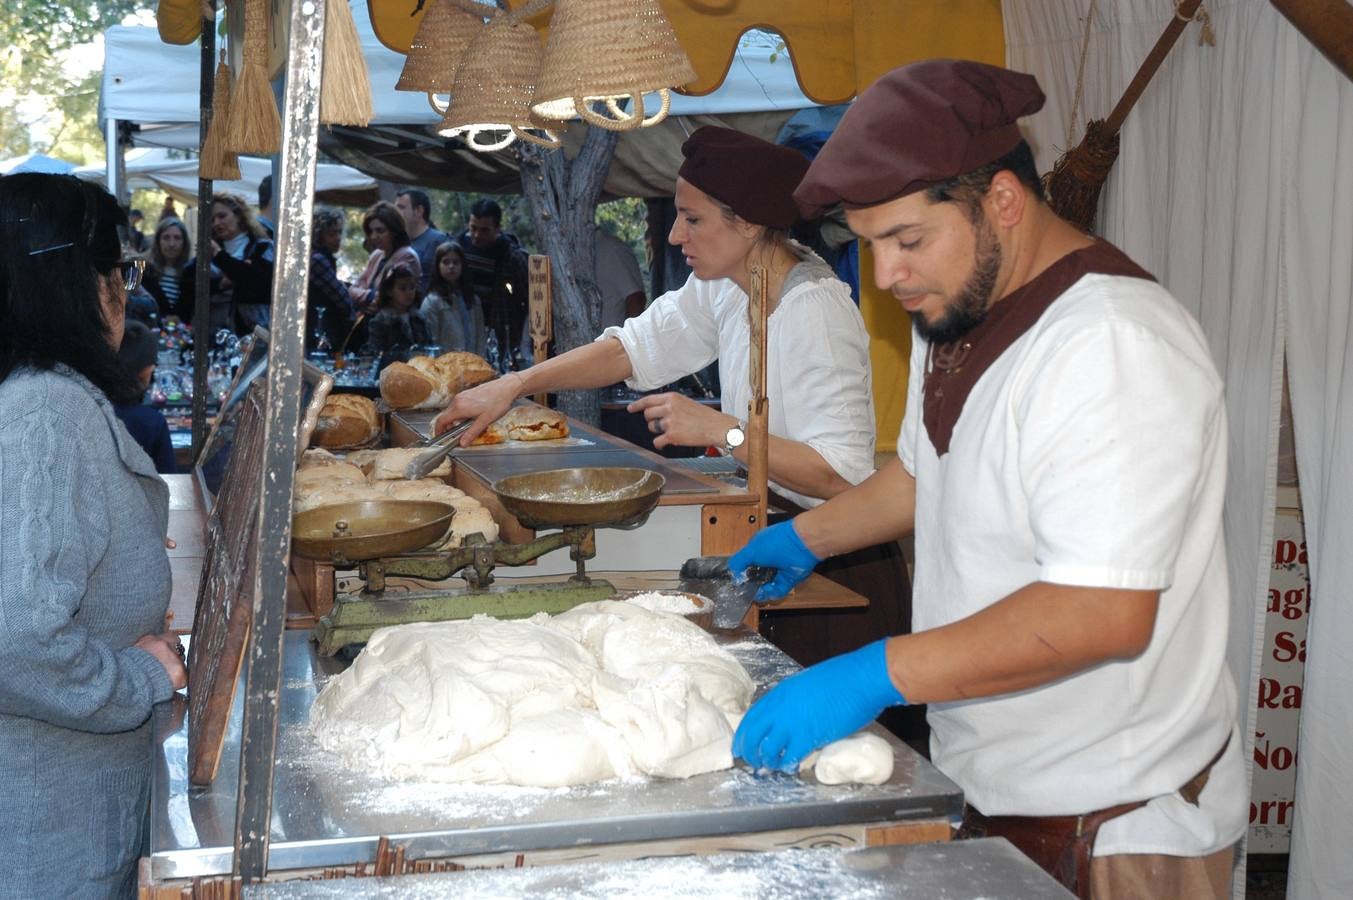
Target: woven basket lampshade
{"x":437,"y":49}
{"x":609,"y":50}
{"x":494,"y":84}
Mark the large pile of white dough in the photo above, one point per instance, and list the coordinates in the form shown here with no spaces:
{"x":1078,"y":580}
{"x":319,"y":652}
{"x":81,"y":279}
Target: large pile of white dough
{"x":607,"y":689}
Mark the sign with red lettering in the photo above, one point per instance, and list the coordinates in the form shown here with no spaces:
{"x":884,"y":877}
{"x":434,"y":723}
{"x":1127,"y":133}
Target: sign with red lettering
{"x":1281,"y":675}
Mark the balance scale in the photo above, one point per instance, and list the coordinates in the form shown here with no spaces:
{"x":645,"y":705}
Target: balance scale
{"x":379,"y":537}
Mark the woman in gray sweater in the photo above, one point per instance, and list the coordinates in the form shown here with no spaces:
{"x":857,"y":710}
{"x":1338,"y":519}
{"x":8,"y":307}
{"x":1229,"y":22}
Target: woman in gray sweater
{"x":84,"y":578}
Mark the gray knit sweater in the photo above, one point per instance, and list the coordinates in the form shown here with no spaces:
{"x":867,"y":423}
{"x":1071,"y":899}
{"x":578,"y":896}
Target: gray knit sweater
{"x":83,"y":575}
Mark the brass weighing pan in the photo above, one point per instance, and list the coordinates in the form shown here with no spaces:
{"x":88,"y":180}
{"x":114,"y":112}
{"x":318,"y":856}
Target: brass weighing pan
{"x":598,"y":496}
{"x":368,"y":529}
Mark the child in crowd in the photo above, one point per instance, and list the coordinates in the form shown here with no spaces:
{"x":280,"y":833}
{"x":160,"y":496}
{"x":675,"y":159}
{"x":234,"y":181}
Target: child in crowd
{"x":398,"y":325}
{"x":453,"y":313}
{"x":137,"y":356}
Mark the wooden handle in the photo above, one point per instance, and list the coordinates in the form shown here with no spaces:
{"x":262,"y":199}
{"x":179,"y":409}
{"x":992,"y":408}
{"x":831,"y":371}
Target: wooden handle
{"x":758,"y":425}
{"x":1149,"y":66}
{"x":1328,"y":24}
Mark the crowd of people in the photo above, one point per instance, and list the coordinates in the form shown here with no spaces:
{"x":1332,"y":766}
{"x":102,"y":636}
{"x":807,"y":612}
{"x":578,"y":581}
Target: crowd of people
{"x":469,"y":290}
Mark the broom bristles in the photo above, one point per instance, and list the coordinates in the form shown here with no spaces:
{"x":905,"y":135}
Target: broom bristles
{"x":1074,"y":184}
{"x":255,"y":126}
{"x":345,"y":90}
{"x":216,"y":162}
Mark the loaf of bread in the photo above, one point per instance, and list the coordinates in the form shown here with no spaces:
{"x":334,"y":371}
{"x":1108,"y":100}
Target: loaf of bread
{"x":347,"y":420}
{"x":427,"y":383}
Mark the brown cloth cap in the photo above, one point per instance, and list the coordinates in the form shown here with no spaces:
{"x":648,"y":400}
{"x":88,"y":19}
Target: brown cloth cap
{"x":754,"y":177}
{"x":918,"y":126}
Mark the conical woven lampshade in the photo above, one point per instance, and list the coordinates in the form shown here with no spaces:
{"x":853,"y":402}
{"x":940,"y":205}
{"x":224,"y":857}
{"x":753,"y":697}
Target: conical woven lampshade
{"x":609,"y":50}
{"x":494,"y":85}
{"x":438,"y":47}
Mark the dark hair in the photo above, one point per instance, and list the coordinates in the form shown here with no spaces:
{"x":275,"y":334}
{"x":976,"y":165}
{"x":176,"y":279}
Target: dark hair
{"x":969,"y":188}
{"x":140,"y":348}
{"x":323,"y":219}
{"x":389,"y":216}
{"x":135,"y":214}
{"x":439,"y":284}
{"x":58,"y":234}
{"x":388,"y":279}
{"x":484,"y":208}
{"x":240,"y":207}
{"x":265,"y":191}
{"x":156,"y":258}
{"x":419,"y":200}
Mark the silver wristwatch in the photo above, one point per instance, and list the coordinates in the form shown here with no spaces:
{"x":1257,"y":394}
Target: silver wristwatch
{"x":734,"y":438}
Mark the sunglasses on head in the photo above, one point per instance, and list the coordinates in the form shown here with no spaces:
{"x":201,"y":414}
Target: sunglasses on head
{"x":132,"y":271}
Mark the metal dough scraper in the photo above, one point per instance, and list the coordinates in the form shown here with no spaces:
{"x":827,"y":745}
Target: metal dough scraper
{"x":709,"y":576}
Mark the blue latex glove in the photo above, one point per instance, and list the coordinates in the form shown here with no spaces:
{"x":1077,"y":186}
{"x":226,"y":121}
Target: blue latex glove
{"x":812,"y":708}
{"x":778,"y":547}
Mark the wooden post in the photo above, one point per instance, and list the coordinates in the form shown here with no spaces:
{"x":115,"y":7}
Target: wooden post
{"x":758,"y":435}
{"x":541,"y":298}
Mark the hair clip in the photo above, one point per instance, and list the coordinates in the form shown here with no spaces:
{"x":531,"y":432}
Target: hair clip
{"x":50,"y":249}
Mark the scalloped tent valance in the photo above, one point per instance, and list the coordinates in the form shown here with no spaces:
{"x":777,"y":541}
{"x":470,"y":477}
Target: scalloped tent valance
{"x":836,"y":45}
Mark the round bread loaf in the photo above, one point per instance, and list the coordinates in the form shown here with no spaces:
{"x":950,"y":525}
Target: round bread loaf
{"x":347,"y":420}
{"x":426,"y":383}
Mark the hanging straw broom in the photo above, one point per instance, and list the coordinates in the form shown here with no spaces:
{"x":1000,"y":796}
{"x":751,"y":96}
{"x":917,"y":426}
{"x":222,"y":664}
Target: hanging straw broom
{"x":255,"y":126}
{"x":216,"y":161}
{"x":345,"y":91}
{"x":1075,"y":181}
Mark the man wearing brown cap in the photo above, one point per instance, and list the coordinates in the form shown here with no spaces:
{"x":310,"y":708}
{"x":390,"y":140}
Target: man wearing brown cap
{"x":1062,"y":464}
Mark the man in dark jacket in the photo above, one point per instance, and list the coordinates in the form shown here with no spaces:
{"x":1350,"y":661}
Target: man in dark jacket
{"x":497,"y":266}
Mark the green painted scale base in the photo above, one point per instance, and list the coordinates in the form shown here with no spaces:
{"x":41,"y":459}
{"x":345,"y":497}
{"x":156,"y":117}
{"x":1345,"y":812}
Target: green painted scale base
{"x":356,"y":616}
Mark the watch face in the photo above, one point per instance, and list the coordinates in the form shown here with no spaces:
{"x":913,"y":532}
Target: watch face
{"x":735,"y":437}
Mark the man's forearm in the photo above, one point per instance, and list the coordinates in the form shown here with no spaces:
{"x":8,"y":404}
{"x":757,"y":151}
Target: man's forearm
{"x":1039,"y":634}
{"x":880,"y":508}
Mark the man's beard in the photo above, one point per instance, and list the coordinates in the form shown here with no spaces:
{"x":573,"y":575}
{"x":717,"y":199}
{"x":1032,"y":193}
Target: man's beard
{"x":966,"y":310}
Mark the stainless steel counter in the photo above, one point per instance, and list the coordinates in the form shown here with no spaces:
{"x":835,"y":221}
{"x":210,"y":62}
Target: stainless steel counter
{"x":327,"y":815}
{"x":955,"y":871}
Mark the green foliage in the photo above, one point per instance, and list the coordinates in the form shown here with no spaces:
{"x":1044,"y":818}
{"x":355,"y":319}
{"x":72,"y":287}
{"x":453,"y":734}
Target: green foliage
{"x":35,"y":36}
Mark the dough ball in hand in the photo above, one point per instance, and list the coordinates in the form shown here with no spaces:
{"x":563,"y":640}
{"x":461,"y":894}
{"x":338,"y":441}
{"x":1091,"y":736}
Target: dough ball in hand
{"x":862,"y":758}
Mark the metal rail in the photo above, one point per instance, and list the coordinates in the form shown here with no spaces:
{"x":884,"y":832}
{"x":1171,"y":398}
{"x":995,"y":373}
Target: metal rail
{"x":263,"y":672}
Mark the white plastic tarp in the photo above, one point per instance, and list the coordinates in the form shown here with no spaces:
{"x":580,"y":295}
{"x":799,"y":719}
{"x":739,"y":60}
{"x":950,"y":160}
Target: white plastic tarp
{"x":156,"y":85}
{"x":153,"y":169}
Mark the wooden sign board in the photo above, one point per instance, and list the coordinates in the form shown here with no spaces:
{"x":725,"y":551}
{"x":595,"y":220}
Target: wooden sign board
{"x":541,"y":310}
{"x":224,"y":611}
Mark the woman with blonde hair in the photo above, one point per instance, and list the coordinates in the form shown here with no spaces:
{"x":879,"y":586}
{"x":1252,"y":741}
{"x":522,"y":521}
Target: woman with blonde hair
{"x":241,"y":269}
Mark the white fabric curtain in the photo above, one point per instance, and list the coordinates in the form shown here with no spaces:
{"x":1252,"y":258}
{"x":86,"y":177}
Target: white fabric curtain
{"x":1208,"y":194}
{"x":1317,"y":265}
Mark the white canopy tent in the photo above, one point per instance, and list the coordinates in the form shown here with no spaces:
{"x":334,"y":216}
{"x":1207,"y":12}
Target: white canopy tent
{"x":155,"y":169}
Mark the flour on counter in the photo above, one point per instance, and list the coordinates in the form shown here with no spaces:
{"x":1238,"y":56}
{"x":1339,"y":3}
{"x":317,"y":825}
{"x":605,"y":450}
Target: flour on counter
{"x":661,"y":601}
{"x":606,"y":689}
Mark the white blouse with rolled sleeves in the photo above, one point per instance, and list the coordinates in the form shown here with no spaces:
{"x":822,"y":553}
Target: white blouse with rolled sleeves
{"x":817,"y":366}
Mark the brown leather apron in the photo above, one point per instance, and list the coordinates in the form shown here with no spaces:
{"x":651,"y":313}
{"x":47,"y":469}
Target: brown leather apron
{"x":1063,"y":846}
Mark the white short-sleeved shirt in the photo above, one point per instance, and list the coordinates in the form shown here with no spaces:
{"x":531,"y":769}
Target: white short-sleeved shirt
{"x":1092,"y":452}
{"x":817,"y":366}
